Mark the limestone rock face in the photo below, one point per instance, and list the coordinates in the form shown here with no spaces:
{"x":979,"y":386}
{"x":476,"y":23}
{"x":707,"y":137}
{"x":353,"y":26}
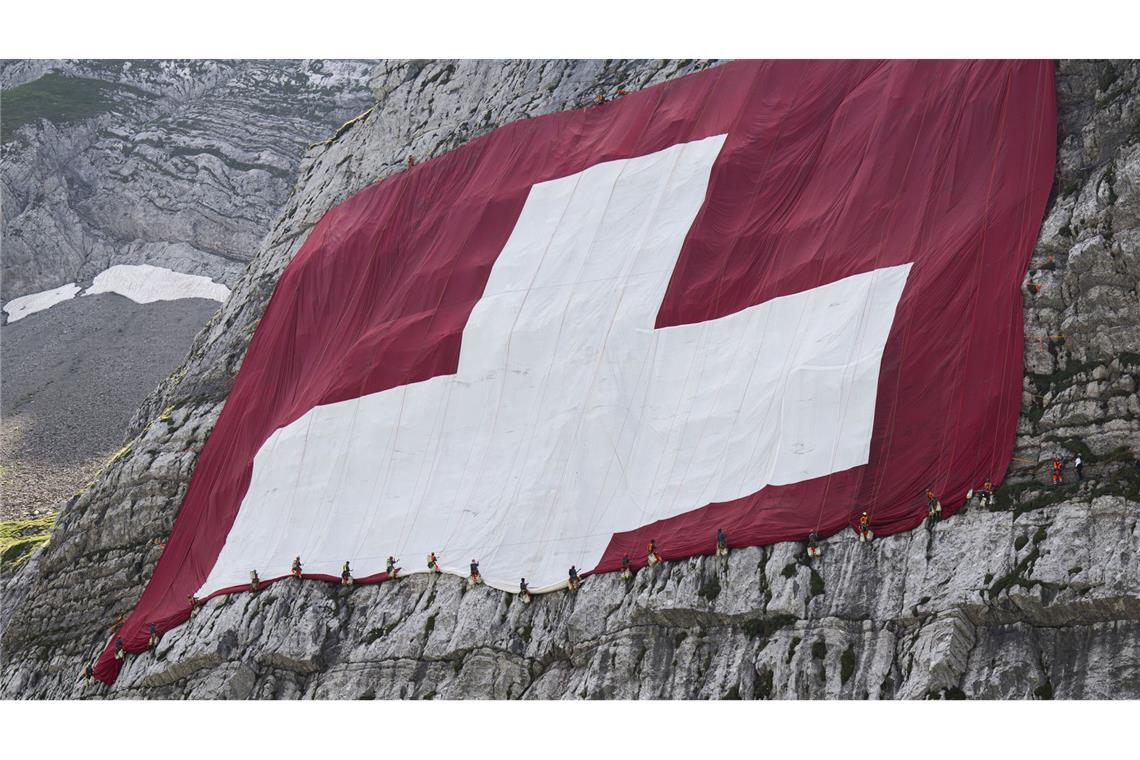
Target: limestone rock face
{"x":1037,"y":598}
{"x":180,"y":164}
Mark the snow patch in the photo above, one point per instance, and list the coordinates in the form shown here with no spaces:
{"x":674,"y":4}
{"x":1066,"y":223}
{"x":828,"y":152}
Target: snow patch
{"x":143,"y":283}
{"x":18,"y":308}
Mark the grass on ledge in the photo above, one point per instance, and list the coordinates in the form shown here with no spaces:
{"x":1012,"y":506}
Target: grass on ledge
{"x":19,"y":538}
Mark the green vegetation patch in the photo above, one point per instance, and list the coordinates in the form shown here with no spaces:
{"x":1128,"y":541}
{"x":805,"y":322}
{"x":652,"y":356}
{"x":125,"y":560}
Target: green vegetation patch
{"x":19,"y":538}
{"x":57,"y":98}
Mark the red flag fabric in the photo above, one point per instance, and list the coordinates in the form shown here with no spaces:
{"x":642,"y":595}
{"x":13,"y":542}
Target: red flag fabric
{"x":765,"y":216}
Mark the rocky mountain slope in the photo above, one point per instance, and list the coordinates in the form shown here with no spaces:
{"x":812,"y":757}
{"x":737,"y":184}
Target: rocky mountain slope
{"x":177,"y":164}
{"x":1037,"y":598}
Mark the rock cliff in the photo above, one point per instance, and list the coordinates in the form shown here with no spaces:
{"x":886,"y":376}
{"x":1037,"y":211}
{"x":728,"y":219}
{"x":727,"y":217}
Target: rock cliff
{"x":180,"y":164}
{"x":1038,"y":597}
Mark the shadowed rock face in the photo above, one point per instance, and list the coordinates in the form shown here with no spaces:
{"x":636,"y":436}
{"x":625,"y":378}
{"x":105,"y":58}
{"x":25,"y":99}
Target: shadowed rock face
{"x":1039,"y":598}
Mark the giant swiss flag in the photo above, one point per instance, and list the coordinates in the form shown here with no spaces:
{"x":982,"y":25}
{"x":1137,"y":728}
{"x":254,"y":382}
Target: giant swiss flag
{"x":765,"y":298}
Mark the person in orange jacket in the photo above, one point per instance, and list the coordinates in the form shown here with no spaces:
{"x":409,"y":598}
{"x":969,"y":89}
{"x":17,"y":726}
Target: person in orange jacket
{"x":933,"y":508}
{"x":865,"y":532}
{"x":986,"y":494}
{"x":653,"y":556}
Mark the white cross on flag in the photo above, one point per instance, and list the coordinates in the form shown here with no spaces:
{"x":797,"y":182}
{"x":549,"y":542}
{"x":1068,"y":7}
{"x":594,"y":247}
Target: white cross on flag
{"x":765,"y":298}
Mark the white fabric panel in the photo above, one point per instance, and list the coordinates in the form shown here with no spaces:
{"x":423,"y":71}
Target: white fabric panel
{"x":570,"y":417}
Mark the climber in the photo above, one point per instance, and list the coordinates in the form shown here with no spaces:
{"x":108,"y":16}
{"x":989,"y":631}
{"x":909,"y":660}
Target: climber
{"x":411,"y":161}
{"x":933,"y":505}
{"x":193,"y":600}
{"x":296,"y":569}
{"x":524,"y":592}
{"x":153,"y":641}
{"x":653,"y":557}
{"x":1058,"y":471}
{"x":599,"y":99}
{"x":864,"y":530}
{"x":1079,"y":466}
{"x":621,"y":92}
{"x":721,"y":543}
{"x":346,"y":575}
{"x":474,"y":573}
{"x":812,"y":545}
{"x":986,"y":494}
{"x":88,"y":673}
{"x":573,"y":578}
{"x":433,"y":563}
{"x":253,"y":580}
{"x":391,"y":569}
{"x":625,"y":571}
{"x":120,"y":653}
{"x":117,"y":624}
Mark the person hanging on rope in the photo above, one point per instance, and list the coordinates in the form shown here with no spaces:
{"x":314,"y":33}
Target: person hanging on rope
{"x":1058,"y":471}
{"x":433,"y":563}
{"x":721,"y":543}
{"x":625,"y":571}
{"x":573,"y":582}
{"x":865,"y":532}
{"x":295,"y":570}
{"x":120,"y":652}
{"x":524,"y":592}
{"x":153,"y":641}
{"x":88,"y":674}
{"x":986,"y":494}
{"x":933,"y":504}
{"x":253,"y":580}
{"x":193,"y":600}
{"x":1079,"y":466}
{"x":813,"y":545}
{"x":651,"y":553}
{"x":599,"y":99}
{"x":346,"y":575}
{"x":391,"y":568}
{"x":475,"y":578}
